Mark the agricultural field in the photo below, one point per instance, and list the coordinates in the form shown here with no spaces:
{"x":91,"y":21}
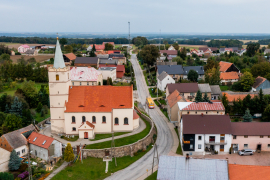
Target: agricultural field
{"x":39,"y":58}
{"x":16,"y":45}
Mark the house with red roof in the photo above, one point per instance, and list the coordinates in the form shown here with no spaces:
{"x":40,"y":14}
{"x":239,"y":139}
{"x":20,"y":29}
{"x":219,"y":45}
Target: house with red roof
{"x":172,"y":106}
{"x":23,"y":48}
{"x":83,"y":109}
{"x":44,"y":147}
{"x":120,"y":69}
{"x":229,"y":73}
{"x":260,"y":83}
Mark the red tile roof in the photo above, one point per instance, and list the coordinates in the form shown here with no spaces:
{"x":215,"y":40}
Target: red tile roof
{"x":229,"y":75}
{"x":88,"y":123}
{"x":99,"y":98}
{"x":40,"y":139}
{"x":183,"y":87}
{"x":248,"y":172}
{"x":169,"y":52}
{"x":236,"y":96}
{"x":135,"y":115}
{"x":201,"y":106}
{"x":71,"y":56}
{"x":99,"y":47}
{"x":173,"y":98}
{"x":224,"y":66}
{"x":258,"y":81}
{"x":251,"y":128}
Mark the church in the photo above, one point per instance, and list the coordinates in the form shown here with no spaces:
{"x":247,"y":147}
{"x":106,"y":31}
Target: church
{"x":80,"y":105}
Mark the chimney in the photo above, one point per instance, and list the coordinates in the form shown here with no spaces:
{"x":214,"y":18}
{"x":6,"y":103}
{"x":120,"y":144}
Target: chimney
{"x":202,"y":114}
{"x":187,"y":156}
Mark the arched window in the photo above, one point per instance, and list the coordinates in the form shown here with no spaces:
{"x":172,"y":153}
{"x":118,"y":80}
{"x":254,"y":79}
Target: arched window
{"x":73,"y":119}
{"x":126,"y":121}
{"x":93,"y":119}
{"x":73,"y":129}
{"x":116,"y":121}
{"x":83,"y":119}
{"x":103,"y":119}
{"x":57,"y":77}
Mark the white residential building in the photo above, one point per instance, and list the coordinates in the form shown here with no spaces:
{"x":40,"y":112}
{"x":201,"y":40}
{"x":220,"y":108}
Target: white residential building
{"x":108,"y":72}
{"x":164,"y":79}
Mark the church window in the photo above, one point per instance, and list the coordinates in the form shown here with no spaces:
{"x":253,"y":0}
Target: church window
{"x":126,"y":121}
{"x":57,"y":77}
{"x":93,"y":119}
{"x":83,"y":119}
{"x":103,"y":119}
{"x":116,"y":121}
{"x":73,"y":119}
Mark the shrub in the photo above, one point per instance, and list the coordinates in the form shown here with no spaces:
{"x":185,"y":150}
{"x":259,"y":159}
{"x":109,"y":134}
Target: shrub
{"x":23,"y":167}
{"x":33,"y":112}
{"x":46,"y":109}
{"x":6,"y":176}
{"x":14,"y":161}
{"x":23,"y":175}
{"x":39,"y":107}
{"x":42,"y":114}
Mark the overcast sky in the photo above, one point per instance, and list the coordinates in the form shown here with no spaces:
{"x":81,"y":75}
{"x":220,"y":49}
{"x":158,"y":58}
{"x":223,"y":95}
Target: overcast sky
{"x":112,"y":16}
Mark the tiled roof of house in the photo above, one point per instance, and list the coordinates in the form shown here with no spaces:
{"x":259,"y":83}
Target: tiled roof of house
{"x":235,"y":96}
{"x":169,"y":52}
{"x":98,"y":47}
{"x":198,"y":69}
{"x":99,"y":98}
{"x":116,"y":55}
{"x":135,"y":115}
{"x":30,"y":51}
{"x":258,"y":81}
{"x":173,"y":98}
{"x":119,"y":68}
{"x":224,"y":66}
{"x":88,"y":124}
{"x":204,"y":88}
{"x":248,"y":172}
{"x":16,"y":139}
{"x":70,"y":56}
{"x":106,"y":61}
{"x":86,"y":60}
{"x":170,"y":69}
{"x":206,"y":124}
{"x":215,"y":89}
{"x":183,"y":87}
{"x":251,"y":128}
{"x":25,"y":46}
{"x":204,"y":106}
{"x":40,"y":140}
{"x":162,"y":75}
{"x":84,"y":74}
{"x":228,"y":75}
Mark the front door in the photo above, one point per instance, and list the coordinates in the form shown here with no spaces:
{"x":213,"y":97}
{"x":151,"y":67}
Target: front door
{"x":85,"y":135}
{"x":259,"y":147}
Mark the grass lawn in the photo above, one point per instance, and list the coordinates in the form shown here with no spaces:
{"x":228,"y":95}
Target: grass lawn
{"x":38,"y":118}
{"x":165,"y":113}
{"x":152,"y":176}
{"x":224,"y":88}
{"x":156,"y":102}
{"x":94,"y":168}
{"x":121,"y":84}
{"x":145,"y":77}
{"x":179,"y":149}
{"x":162,"y":101}
{"x":12,"y":91}
{"x":103,"y":136}
{"x":71,"y":139}
{"x":122,"y":141}
{"x":141,"y":65}
{"x":153,"y":94}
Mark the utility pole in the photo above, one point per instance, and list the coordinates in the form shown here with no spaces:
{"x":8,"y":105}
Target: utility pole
{"x":128,"y":34}
{"x":155,"y":149}
{"x":113,"y":149}
{"x":159,"y":38}
{"x":29,"y":163}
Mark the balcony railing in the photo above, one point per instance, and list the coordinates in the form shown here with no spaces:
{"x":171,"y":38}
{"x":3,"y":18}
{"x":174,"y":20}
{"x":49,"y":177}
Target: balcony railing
{"x":215,"y":143}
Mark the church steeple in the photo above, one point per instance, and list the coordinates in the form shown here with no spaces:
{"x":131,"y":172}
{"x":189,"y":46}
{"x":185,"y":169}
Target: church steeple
{"x":58,"y":57}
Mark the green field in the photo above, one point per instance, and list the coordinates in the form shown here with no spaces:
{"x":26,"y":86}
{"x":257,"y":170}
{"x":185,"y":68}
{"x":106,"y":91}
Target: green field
{"x":38,"y":118}
{"x":179,"y":149}
{"x":12,"y":91}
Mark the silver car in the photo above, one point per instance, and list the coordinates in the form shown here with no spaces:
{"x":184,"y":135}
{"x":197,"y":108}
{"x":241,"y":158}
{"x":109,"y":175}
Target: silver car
{"x":245,"y":152}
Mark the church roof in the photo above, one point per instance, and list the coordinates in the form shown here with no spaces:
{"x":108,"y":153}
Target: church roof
{"x":58,"y":57}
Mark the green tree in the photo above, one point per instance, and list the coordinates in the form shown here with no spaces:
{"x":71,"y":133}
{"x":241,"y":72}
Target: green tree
{"x":5,"y":57}
{"x":139,"y":41}
{"x":261,"y":69}
{"x":30,"y":93}
{"x":14,"y":161}
{"x":6,"y":176}
{"x":211,"y":63}
{"x":68,"y":154}
{"x":266,"y":114}
{"x":176,"y":46}
{"x":183,"y":53}
{"x":198,"y":97}
{"x":27,"y":117}
{"x":178,"y":59}
{"x":39,"y":107}
{"x":225,"y":103}
{"x":247,"y":117}
{"x":92,"y":53}
{"x":167,"y":46}
{"x":94,"y":48}
{"x":108,"y":47}
{"x":13,"y":122}
{"x":212,"y":76}
{"x":149,"y":54}
{"x":190,"y":61}
{"x":205,"y":98}
{"x":16,"y":107}
{"x":252,"y":48}
{"x":69,"y":49}
{"x":192,"y":75}
{"x":63,"y":42}
{"x":247,"y":81}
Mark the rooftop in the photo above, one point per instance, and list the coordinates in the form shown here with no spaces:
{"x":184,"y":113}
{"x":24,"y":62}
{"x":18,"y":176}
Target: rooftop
{"x":206,"y":124}
{"x":238,"y":95}
{"x":201,"y":106}
{"x":215,"y":89}
{"x":248,"y":172}
{"x":58,"y":57}
{"x":162,"y":76}
{"x":198,"y":69}
{"x":99,"y":98}
{"x":229,"y":75}
{"x":204,"y":88}
{"x":40,"y":140}
{"x":169,"y":52}
{"x":183,"y":87}
{"x":86,"y":60}
{"x":251,"y":128}
{"x":106,"y":61}
{"x":107,"y":68}
{"x":70,"y":56}
{"x":258,"y":81}
{"x":170,"y":69}
{"x":84,"y":74}
{"x":224,"y":66}
{"x":173,"y":98}
{"x":180,"y":168}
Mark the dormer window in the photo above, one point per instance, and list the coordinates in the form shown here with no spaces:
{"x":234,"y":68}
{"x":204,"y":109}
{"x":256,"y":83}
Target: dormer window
{"x":44,"y":142}
{"x":101,"y":106}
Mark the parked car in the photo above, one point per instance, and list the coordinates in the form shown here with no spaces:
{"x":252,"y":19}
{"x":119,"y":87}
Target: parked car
{"x":245,"y":152}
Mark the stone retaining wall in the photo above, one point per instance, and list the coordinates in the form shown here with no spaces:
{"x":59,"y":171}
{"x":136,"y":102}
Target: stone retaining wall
{"x":127,"y":150}
{"x":43,"y":122}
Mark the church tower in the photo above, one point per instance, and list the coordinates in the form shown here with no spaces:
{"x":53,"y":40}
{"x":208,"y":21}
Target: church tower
{"x":59,"y":82}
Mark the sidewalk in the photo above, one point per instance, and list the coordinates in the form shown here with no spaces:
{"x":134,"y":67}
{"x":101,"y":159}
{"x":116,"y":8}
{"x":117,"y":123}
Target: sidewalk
{"x":47,"y":131}
{"x":63,"y":166}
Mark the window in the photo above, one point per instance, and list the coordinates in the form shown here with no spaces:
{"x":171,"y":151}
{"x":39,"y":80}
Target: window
{"x":103,"y":119}
{"x":206,"y":112}
{"x":261,"y":136}
{"x":268,"y":136}
{"x":222,"y":148}
{"x":35,"y":139}
{"x":116,"y":121}
{"x":199,"y":146}
{"x":199,"y":137}
{"x":80,"y":83}
{"x":245,"y":136}
{"x":23,"y":151}
{"x":44,"y":142}
{"x":57,"y":77}
{"x":93,"y":119}
{"x":234,"y":137}
{"x":126,"y":121}
{"x":191,"y":146}
{"x":73,"y":119}
{"x":196,"y":112}
{"x":192,"y":94}
{"x":73,"y":129}
{"x":245,"y":145}
{"x":188,"y":112}
{"x":268,"y":145}
{"x":72,"y":83}
{"x":83,"y":119}
{"x":87,"y":83}
{"x":217,"y":112}
{"x":18,"y":153}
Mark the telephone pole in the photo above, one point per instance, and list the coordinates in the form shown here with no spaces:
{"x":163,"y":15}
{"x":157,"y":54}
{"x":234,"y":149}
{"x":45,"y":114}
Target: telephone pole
{"x":113,"y":149}
{"x":128,"y":34}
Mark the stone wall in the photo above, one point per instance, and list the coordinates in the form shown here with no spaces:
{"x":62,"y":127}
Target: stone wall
{"x":127,"y":150}
{"x":43,"y":122}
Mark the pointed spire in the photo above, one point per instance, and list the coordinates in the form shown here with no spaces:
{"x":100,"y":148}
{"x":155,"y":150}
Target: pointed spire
{"x":58,"y":57}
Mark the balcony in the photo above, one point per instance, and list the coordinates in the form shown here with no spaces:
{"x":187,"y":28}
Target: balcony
{"x":215,"y":143}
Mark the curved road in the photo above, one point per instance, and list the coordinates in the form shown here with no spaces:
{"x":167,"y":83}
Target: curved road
{"x":164,"y":139}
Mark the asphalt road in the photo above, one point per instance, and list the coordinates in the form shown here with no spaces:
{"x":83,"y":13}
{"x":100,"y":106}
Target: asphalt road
{"x":164,"y":139}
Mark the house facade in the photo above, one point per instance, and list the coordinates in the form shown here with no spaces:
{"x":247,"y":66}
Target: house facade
{"x":215,"y":92}
{"x":106,"y":109}
{"x":23,"y":48}
{"x":108,"y":72}
{"x":227,"y":78}
{"x":172,"y":105}
{"x":260,"y":83}
{"x":4,"y":160}
{"x":163,"y":79}
{"x":187,"y":90}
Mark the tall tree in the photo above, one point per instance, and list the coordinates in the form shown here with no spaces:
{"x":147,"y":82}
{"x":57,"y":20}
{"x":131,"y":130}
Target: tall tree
{"x":16,"y":107}
{"x":149,"y":54}
{"x":178,"y":59}
{"x":225,"y":103}
{"x":14,"y":161}
{"x":13,"y":122}
{"x":193,"y":75}
{"x":247,"y":117}
{"x":108,"y":47}
{"x":183,"y":53}
{"x":212,"y":76}
{"x":252,"y":48}
{"x":247,"y":81}
{"x":68,"y":154}
{"x":198,"y":97}
{"x":27,"y":117}
{"x":261,"y":69}
{"x":190,"y":61}
{"x":205,"y":98}
{"x":266,"y":114}
{"x":211,"y":63}
{"x":63,"y":42}
{"x":94,"y":48}
{"x":176,"y":46}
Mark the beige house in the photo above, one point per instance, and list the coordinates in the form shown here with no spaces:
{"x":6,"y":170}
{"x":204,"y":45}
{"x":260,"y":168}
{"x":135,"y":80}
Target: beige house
{"x":120,"y":60}
{"x":187,"y":90}
{"x":172,"y":106}
{"x":87,"y":110}
{"x":199,"y":108}
{"x":108,"y":72}
{"x":4,"y":160}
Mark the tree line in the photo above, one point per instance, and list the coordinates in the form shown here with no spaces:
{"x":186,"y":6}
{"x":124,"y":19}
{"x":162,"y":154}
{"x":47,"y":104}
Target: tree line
{"x":225,"y":43}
